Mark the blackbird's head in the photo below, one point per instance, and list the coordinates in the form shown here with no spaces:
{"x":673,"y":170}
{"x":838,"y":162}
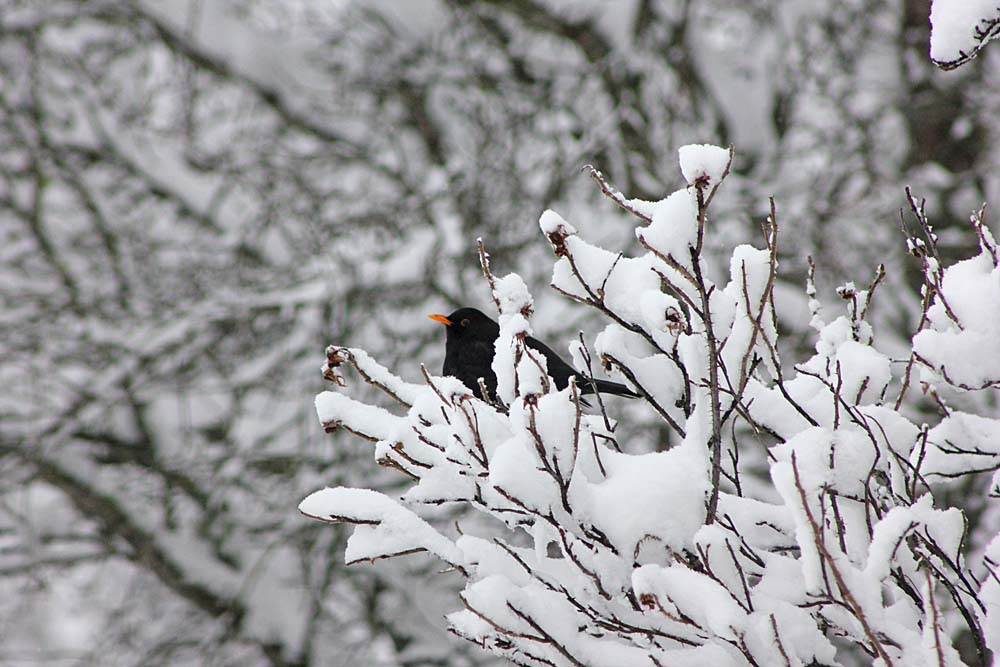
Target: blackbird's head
{"x":469,"y":323}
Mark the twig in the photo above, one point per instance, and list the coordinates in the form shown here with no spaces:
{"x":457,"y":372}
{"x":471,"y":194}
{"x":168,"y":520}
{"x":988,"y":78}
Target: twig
{"x":826,"y":556}
{"x":614,"y":195}
{"x":777,"y":640}
{"x":935,"y":623}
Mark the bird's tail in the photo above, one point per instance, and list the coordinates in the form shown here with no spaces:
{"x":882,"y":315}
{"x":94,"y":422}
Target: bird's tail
{"x":605,"y":387}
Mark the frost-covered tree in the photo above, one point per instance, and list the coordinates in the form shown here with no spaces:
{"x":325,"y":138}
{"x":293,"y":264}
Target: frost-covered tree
{"x":599,"y":551}
{"x":195,"y":195}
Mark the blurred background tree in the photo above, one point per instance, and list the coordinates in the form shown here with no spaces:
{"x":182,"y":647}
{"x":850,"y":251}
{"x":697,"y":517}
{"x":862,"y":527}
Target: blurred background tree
{"x":196,"y":197}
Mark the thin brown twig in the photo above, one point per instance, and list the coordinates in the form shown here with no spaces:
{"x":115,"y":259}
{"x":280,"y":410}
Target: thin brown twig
{"x":842,"y":586}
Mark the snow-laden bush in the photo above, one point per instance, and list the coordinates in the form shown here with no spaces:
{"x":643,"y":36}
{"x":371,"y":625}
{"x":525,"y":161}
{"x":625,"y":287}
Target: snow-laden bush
{"x":606,"y":556}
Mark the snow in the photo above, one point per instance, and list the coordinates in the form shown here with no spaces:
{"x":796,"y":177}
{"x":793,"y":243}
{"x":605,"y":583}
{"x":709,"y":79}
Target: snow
{"x":937,"y":649}
{"x":989,"y":595}
{"x":674,"y":229}
{"x":512,"y":296}
{"x":783,"y":475}
{"x":954,"y":23}
{"x":628,"y":504}
{"x":830,"y":458}
{"x":163,"y":164}
{"x":950,"y":443}
{"x":378,"y":373}
{"x":333,"y":408}
{"x":624,"y":279}
{"x":281,"y":67}
{"x":553,"y":223}
{"x":799,"y":636}
{"x":691,"y":594}
{"x":888,"y":533}
{"x":385,"y":527}
{"x":516,"y":470}
{"x":212,"y":200}
{"x":966,"y":352}
{"x":865,"y":372}
{"x":600,"y":542}
{"x":656,"y":374}
{"x":782,"y":579}
{"x":703,"y":163}
{"x":743,"y":319}
{"x":660,"y":311}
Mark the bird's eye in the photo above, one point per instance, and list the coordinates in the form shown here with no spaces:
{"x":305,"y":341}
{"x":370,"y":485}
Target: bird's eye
{"x":465,"y":322}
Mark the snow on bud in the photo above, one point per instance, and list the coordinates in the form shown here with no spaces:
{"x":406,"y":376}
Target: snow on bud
{"x":847,"y":290}
{"x":662,"y":312}
{"x":916,"y":247}
{"x":334,"y":358}
{"x":512,"y":296}
{"x":556,"y":230}
{"x":987,"y":244}
{"x":663,"y":317}
{"x":703,"y":164}
{"x":691,"y":594}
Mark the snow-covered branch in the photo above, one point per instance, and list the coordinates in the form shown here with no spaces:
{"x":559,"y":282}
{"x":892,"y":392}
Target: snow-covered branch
{"x":603,"y":555}
{"x":960,"y":29}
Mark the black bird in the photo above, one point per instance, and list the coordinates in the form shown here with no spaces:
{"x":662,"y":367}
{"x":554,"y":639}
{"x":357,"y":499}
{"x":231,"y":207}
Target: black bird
{"x":469,"y":348}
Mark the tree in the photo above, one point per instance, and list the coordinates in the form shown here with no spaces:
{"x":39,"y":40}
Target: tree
{"x":602,"y":555}
{"x":195,"y":196}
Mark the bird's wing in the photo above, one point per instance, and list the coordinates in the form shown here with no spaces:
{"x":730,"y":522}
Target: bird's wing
{"x":476,"y":361}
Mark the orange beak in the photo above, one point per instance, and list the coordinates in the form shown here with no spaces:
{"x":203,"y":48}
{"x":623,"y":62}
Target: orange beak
{"x":442,"y":319}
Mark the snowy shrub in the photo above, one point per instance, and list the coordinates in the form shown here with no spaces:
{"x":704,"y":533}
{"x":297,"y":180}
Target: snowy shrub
{"x":602,"y":555}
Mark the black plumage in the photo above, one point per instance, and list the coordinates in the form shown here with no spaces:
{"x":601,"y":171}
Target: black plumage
{"x":469,"y":349}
